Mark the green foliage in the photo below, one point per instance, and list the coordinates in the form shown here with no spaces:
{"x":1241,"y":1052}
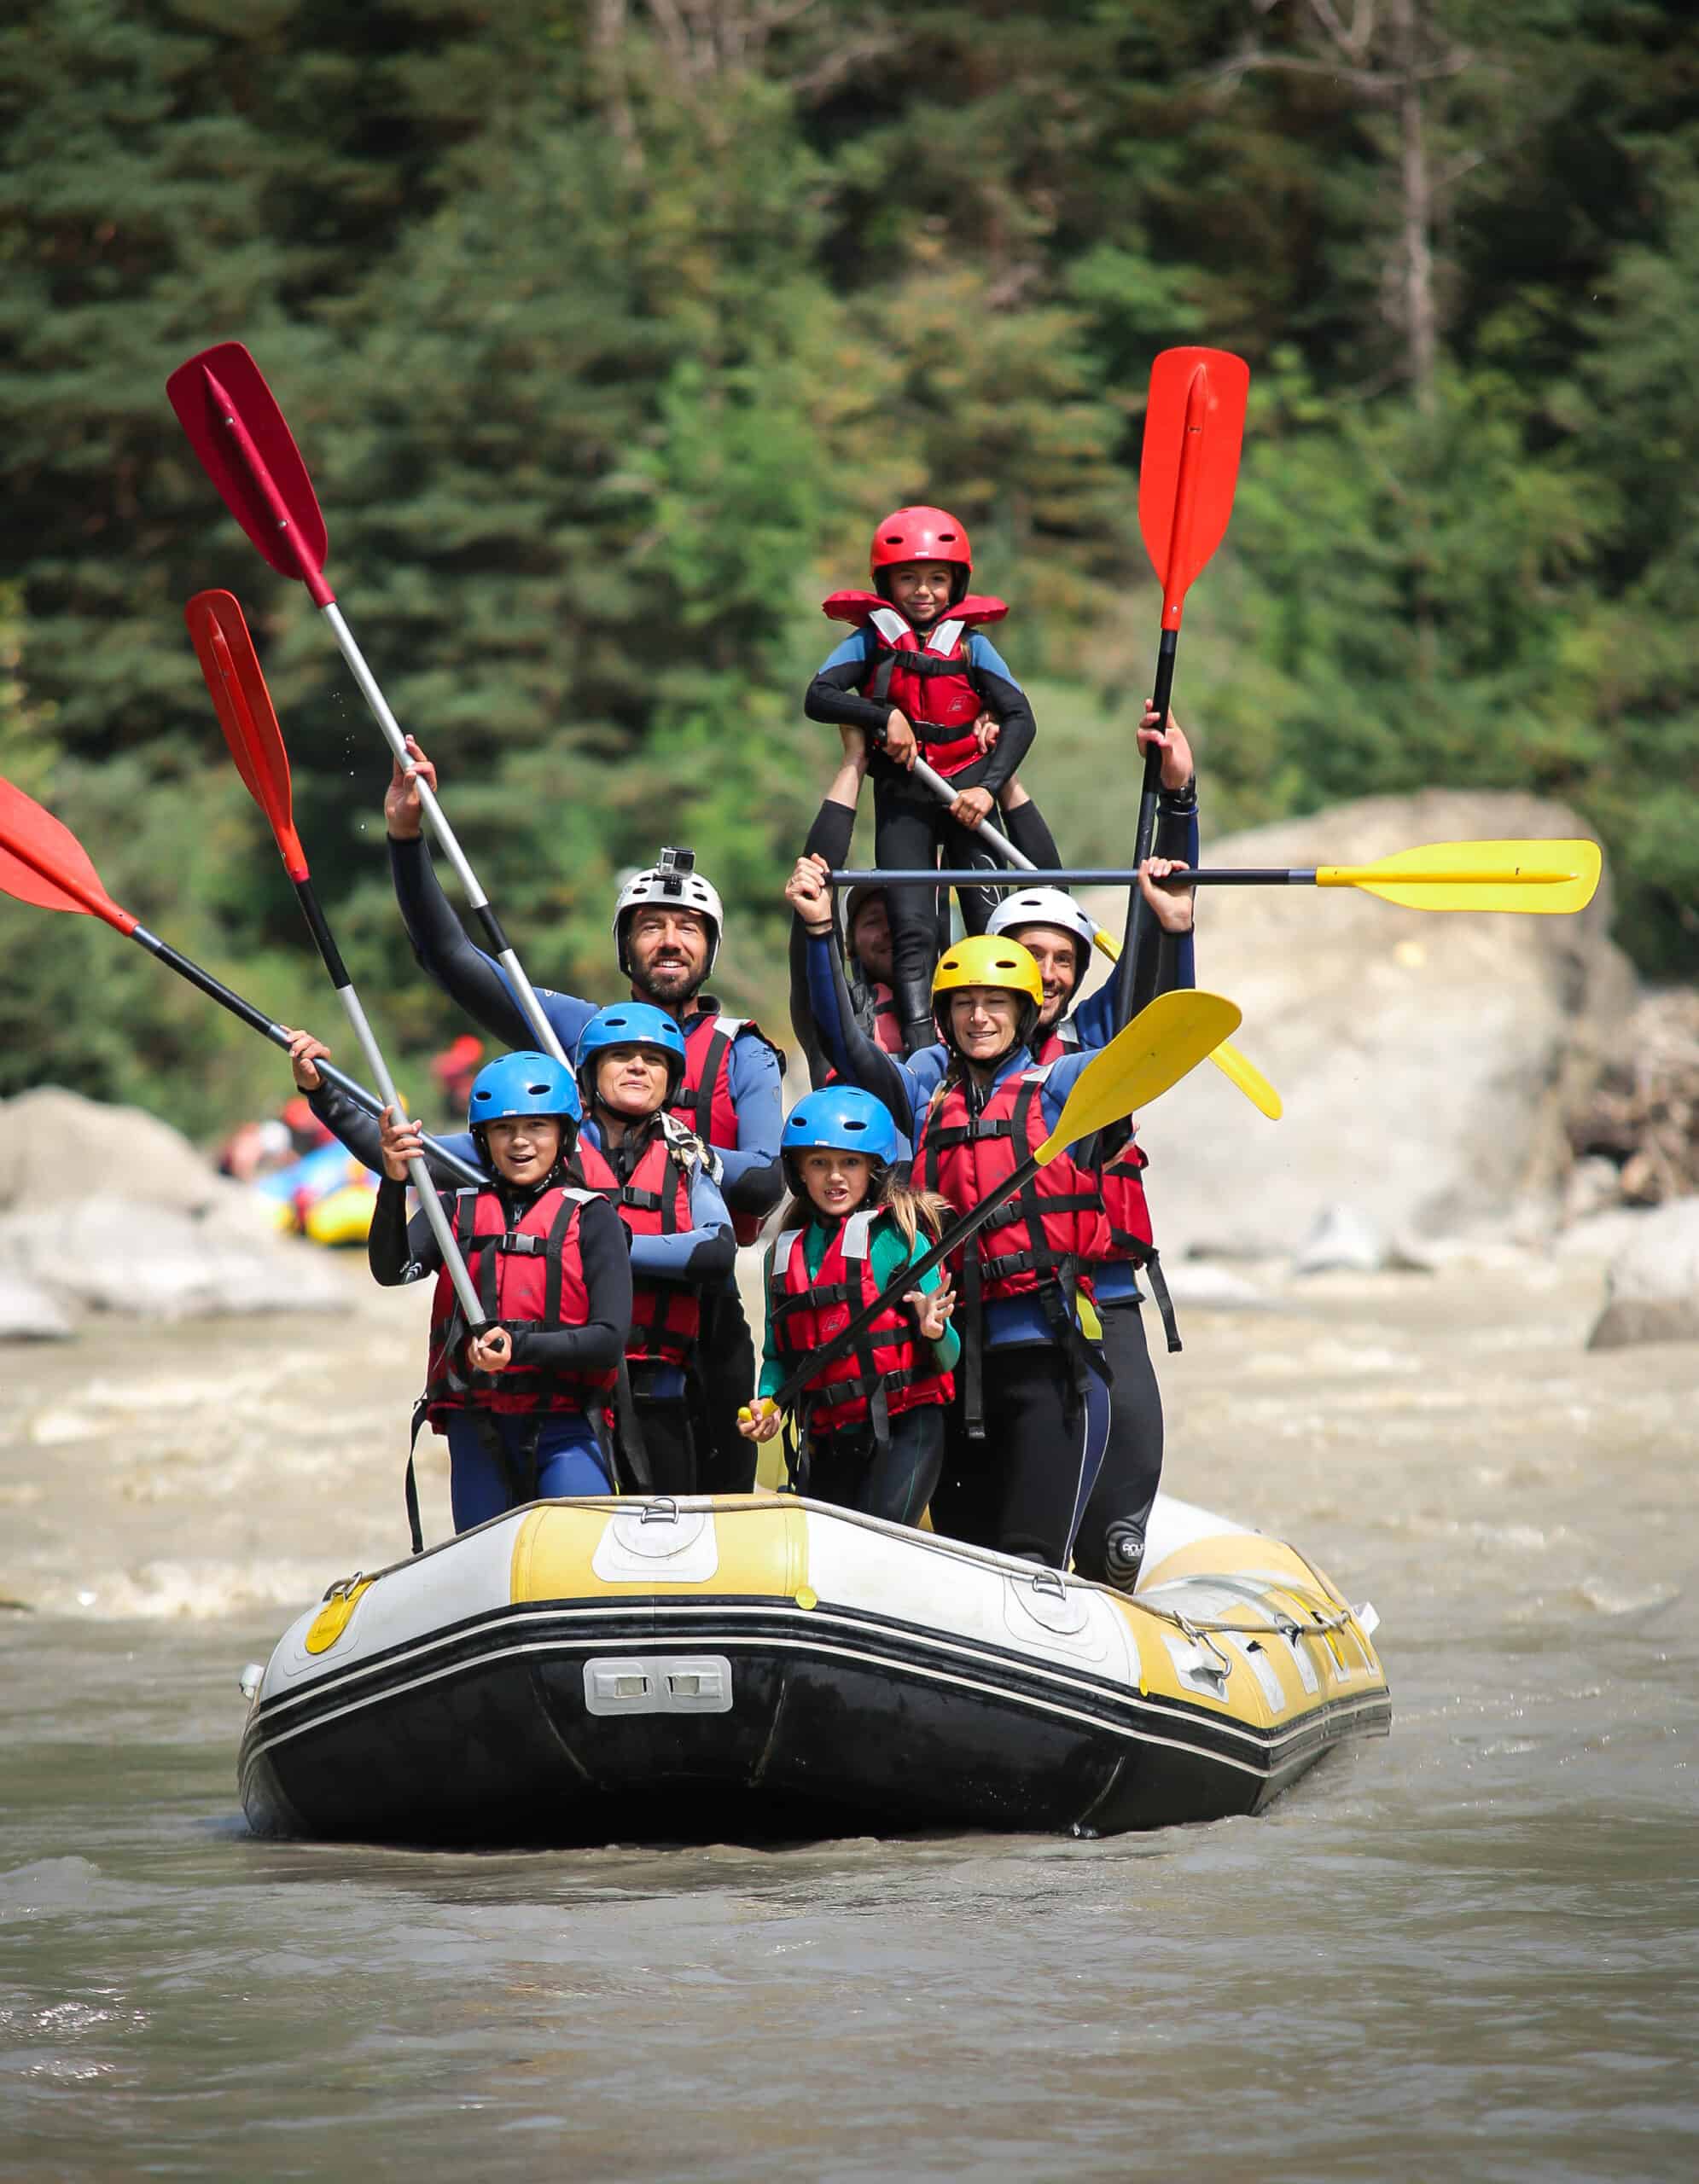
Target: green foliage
{"x":607,"y":333}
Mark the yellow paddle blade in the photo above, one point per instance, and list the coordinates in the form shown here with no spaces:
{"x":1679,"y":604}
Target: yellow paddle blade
{"x":1227,"y":1059}
{"x":1523,"y":876}
{"x":1155,"y":1050}
{"x":1249,"y":1080}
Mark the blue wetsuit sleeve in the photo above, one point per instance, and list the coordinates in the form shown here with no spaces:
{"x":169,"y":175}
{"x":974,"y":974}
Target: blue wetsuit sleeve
{"x":834,"y":696}
{"x":848,"y":1047}
{"x":751,"y":1178}
{"x":466,"y":974}
{"x":705,"y":1252}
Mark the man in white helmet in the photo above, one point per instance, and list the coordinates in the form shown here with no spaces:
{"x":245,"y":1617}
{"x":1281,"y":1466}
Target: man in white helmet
{"x":667,"y":923}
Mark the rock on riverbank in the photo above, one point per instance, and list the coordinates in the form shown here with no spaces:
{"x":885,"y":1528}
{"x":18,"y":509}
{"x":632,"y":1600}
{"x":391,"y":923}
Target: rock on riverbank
{"x":109,"y":1210}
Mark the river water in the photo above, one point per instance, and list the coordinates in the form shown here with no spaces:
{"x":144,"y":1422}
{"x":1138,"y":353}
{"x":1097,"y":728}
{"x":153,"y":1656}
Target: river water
{"x":1470,"y":1951}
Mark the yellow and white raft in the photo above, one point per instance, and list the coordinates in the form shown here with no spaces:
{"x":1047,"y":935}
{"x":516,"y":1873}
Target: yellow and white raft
{"x":764,"y":1666}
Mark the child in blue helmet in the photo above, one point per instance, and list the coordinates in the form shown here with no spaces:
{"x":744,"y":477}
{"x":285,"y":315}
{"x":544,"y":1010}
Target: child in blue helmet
{"x":872,"y":1418}
{"x":664,"y":1184}
{"x":526,"y":1401}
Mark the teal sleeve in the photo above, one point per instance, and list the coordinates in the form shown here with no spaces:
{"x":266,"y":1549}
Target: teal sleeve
{"x":772,"y":1372}
{"x":888,"y":1257}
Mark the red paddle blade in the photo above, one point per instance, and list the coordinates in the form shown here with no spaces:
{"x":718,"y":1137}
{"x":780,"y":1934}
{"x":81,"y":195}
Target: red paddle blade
{"x":246,"y":714}
{"x":43,"y":862}
{"x":1193,"y":428}
{"x":238,"y":430}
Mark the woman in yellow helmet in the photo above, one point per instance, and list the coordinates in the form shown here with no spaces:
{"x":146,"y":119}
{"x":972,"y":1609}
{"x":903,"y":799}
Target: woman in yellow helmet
{"x":1032,"y":1411}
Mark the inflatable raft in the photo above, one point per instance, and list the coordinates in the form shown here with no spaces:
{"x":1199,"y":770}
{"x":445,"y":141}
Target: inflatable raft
{"x":326,"y":1196}
{"x":763,"y":1666}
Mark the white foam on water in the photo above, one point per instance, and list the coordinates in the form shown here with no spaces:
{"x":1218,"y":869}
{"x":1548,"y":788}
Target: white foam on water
{"x":201,"y":1592}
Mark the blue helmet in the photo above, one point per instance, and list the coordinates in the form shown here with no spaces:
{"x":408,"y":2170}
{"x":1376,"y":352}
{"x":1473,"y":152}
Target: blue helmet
{"x":523,"y":1084}
{"x":630,"y":1024}
{"x":842,"y":1117}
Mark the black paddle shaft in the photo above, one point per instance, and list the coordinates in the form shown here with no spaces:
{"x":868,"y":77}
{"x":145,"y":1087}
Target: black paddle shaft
{"x":257,"y":1020}
{"x":952,"y":1239}
{"x":1137,"y":910}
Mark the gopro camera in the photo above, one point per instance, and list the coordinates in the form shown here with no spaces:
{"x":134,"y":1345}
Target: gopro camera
{"x":675,"y":866}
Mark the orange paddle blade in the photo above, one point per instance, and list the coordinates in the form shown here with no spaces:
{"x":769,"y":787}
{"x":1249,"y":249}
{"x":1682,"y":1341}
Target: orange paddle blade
{"x":1193,"y":428}
{"x":246,"y":713}
{"x":43,"y":862}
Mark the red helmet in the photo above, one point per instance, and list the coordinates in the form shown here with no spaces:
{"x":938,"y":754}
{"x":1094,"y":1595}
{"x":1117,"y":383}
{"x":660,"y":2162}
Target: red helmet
{"x":921,"y":535}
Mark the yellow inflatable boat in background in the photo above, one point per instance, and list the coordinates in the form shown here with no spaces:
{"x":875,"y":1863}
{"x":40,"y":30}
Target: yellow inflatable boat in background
{"x":762,"y":1666}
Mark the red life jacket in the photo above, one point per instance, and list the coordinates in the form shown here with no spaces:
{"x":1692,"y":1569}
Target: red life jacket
{"x":1121,"y":1179}
{"x":704,"y":1101}
{"x":1053,"y":1223}
{"x":927,"y":678}
{"x":1130,"y":1235}
{"x":891,"y":1369}
{"x":655,"y":1201}
{"x":528,"y":1276}
{"x":888,"y":1030}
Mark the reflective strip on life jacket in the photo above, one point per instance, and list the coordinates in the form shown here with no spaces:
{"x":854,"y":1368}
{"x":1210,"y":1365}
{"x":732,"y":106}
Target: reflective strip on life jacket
{"x":888,"y":1371}
{"x":653,"y":1201}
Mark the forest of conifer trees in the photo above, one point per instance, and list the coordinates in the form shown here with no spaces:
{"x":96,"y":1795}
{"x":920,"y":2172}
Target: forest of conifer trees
{"x":608,"y":327}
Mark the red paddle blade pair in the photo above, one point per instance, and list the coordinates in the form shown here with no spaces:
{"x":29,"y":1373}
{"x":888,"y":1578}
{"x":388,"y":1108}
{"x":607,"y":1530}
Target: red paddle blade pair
{"x":246,"y":714}
{"x":238,"y":430}
{"x":1193,"y":428}
{"x":43,"y":863}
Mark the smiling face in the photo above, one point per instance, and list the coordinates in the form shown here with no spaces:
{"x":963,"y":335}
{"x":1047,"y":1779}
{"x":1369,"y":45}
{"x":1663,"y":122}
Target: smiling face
{"x":922,"y":590}
{"x":632,"y":1081}
{"x":669,"y":952}
{"x":835,"y":1182}
{"x":983,"y":1021}
{"x":524,"y":1148}
{"x":1056,"y":953}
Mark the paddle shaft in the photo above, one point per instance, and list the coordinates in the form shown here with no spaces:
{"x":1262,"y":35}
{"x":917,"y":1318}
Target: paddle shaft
{"x":1105,"y":875}
{"x":1138,"y":910}
{"x":257,"y":1020}
{"x":324,"y":598}
{"x":429,"y":1204}
{"x":953,"y":1238}
{"x":999,"y":844}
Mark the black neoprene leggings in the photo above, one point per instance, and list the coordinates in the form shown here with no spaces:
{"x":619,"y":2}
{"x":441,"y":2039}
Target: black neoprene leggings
{"x":895,"y":1481}
{"x":1022,"y":1488}
{"x":722,"y":1380}
{"x":1132,"y":1462}
{"x":665,"y":1423}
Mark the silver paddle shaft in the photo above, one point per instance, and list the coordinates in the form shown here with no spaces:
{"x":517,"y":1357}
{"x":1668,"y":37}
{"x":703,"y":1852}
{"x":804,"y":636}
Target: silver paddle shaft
{"x":429,"y":1204}
{"x":479,"y":902}
{"x":999,"y":844}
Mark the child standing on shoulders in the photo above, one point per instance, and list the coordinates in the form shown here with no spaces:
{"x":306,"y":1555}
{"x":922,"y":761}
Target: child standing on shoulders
{"x":872,"y":1419}
{"x":918,"y":676}
{"x":524,"y":1404}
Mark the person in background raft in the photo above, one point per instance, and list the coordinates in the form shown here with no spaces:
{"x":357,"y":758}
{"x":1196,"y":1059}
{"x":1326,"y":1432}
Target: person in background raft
{"x":916,"y":676}
{"x":1058,"y":934}
{"x":660,"y":1178}
{"x":1027,"y":1429}
{"x":872,"y":1421}
{"x":866,"y":911}
{"x":524,"y":1404}
{"x":667,"y":924}
{"x":455,"y":1068}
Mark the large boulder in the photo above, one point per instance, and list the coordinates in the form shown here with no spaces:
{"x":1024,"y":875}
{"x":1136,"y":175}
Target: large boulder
{"x":108,"y":1209}
{"x":1652,"y":1292}
{"x":56,"y":1146}
{"x":1427,"y":1060}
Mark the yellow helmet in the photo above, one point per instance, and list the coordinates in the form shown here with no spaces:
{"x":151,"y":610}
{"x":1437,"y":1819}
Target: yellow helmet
{"x":987,"y":960}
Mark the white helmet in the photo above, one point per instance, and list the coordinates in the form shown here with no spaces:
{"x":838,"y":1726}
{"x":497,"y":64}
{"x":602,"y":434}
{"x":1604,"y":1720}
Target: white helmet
{"x":1027,"y":906}
{"x":674,"y":879}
